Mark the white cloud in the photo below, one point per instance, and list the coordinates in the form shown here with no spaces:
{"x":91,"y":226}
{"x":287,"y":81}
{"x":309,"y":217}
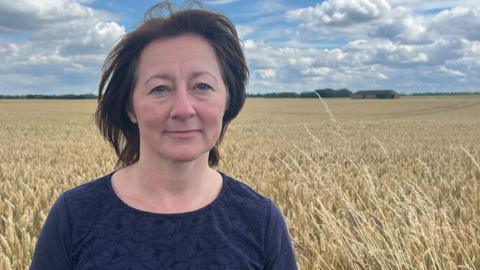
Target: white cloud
{"x":340,"y":13}
{"x":407,"y":45}
{"x":451,"y":72}
{"x":249,"y":44}
{"x":428,"y":5}
{"x":297,"y":69}
{"x":28,"y":80}
{"x":393,"y":54}
{"x":463,"y":22}
{"x":317,"y":71}
{"x":365,"y":64}
{"x":301,"y":60}
{"x":266,"y":73}
{"x":407,"y":29}
{"x":67,"y":42}
{"x":25,"y":15}
{"x":244,"y":30}
{"x":403,"y":44}
{"x":398,"y":21}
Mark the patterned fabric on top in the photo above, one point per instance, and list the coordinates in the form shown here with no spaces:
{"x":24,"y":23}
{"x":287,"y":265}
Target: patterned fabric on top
{"x":89,"y":227}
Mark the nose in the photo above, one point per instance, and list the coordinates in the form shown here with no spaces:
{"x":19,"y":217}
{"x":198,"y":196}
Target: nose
{"x":182,"y":105}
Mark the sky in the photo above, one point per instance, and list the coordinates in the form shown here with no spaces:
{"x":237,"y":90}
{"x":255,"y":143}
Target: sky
{"x":57,"y":47}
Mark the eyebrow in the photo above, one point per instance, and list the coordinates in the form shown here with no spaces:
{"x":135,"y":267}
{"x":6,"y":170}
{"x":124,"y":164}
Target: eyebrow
{"x":168,"y":77}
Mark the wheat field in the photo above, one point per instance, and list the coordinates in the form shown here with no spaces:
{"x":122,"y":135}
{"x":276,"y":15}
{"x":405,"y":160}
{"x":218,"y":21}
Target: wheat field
{"x":363,"y":184}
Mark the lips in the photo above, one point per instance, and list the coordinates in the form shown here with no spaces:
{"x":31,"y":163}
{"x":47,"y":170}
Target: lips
{"x":182,"y":133}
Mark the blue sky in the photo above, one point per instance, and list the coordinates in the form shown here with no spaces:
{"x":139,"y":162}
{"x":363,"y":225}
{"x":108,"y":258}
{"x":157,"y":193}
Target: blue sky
{"x":57,"y":46}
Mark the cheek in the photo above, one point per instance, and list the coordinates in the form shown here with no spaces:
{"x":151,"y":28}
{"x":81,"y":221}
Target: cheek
{"x":218,"y":109}
{"x":214,"y":115}
{"x":147,"y":108}
{"x":149,"y":114}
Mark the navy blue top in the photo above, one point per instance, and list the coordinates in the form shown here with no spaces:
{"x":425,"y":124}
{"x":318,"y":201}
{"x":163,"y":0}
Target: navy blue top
{"x":89,"y":227}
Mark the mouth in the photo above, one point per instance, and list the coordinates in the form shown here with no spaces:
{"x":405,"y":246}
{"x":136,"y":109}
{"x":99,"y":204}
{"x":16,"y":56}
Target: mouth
{"x":184,"y":133}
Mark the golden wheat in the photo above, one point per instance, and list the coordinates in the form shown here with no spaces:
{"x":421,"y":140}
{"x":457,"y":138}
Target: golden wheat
{"x":364,"y":184}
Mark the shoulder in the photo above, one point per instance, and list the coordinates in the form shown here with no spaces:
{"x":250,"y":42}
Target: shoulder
{"x":255,"y":205}
{"x":253,"y":201}
{"x":242,"y":200}
{"x":89,"y":190}
{"x":240,"y":192}
{"x":89,"y":199}
{"x":267,"y":219}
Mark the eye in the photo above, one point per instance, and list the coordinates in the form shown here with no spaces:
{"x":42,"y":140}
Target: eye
{"x":203,"y":86}
{"x":159,"y":89}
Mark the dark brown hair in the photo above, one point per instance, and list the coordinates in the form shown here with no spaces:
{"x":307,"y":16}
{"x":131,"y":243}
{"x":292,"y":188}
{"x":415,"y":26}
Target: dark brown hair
{"x":118,"y":76}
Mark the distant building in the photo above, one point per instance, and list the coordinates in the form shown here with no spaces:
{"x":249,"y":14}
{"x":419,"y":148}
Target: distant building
{"x":376,"y":94}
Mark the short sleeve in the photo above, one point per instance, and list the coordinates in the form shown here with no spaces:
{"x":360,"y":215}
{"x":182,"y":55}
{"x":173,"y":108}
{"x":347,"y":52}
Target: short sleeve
{"x":278,"y":246}
{"x":54,"y":243}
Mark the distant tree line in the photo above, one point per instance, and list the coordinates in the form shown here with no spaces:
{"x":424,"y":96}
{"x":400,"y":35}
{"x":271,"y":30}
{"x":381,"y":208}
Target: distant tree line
{"x":324,"y":93}
{"x":331,"y":93}
{"x":69,"y":96}
{"x":444,"y":93}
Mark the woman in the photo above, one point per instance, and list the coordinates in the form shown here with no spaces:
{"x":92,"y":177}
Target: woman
{"x":167,"y":93}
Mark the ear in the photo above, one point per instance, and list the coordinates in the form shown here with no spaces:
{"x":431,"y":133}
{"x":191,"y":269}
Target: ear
{"x":227,"y":102}
{"x":131,"y":114}
{"x":132,"y":117}
{"x":130,"y":109}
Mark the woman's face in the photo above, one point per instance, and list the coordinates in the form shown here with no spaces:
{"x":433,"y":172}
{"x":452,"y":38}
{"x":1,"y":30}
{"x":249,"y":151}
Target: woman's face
{"x":179,"y":99}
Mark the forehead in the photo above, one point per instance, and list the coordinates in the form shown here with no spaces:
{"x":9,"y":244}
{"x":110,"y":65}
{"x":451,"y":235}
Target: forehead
{"x":188,"y":51}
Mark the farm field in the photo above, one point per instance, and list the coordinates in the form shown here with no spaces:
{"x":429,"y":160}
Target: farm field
{"x":363,"y":184}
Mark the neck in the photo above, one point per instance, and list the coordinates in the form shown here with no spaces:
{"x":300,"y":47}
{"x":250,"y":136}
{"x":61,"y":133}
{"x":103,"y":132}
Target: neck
{"x":164,"y":186}
{"x":174,"y":178}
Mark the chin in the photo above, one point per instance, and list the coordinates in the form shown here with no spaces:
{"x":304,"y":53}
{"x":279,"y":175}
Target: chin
{"x":187,"y":157}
